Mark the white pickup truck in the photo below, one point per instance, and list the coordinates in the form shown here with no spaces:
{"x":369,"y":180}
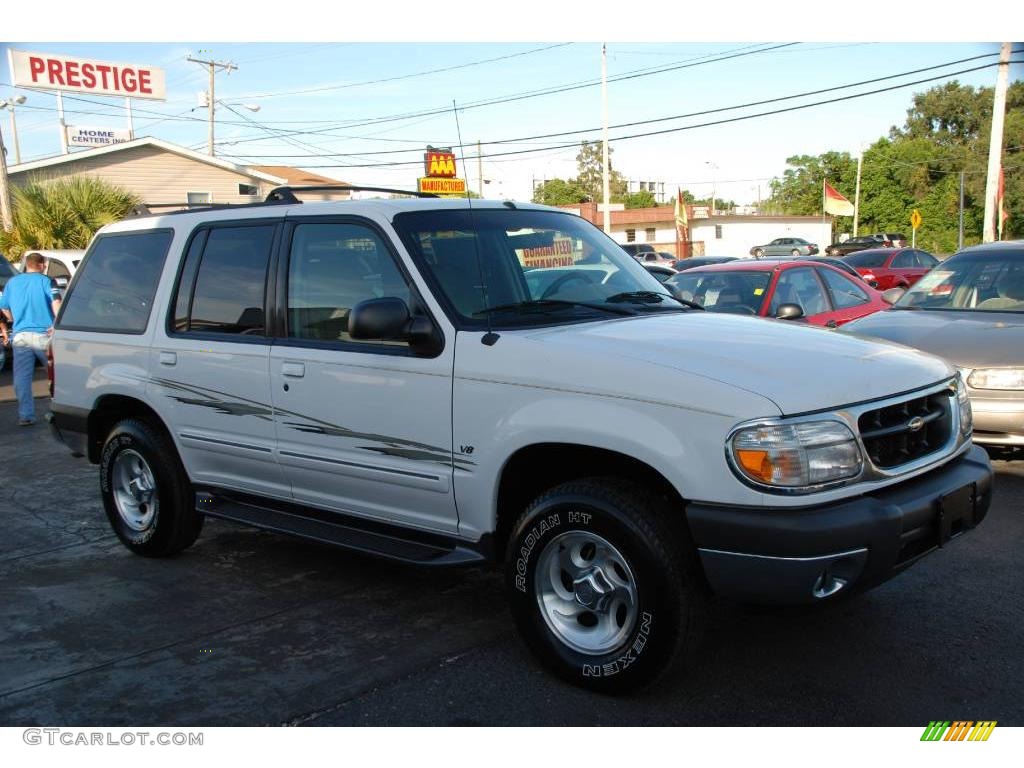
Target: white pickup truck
{"x":452,"y":382}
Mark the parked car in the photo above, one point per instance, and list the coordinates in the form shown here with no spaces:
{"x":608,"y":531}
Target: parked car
{"x":655,"y":257}
{"x":862,"y":242}
{"x":785,"y":246}
{"x":840,"y":265}
{"x":661,"y":271}
{"x":636,"y":249}
{"x":7,"y":271}
{"x":700,"y":261}
{"x":892,"y":267}
{"x":767,"y":288}
{"x":363,"y":373}
{"x":60,"y":265}
{"x":970,"y":311}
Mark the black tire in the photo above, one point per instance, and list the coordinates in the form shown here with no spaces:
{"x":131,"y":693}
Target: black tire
{"x":758,"y":253}
{"x":794,"y":253}
{"x":170,"y":522}
{"x":671,"y":596}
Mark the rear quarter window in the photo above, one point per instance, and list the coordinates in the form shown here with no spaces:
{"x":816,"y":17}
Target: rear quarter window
{"x":114,"y":289}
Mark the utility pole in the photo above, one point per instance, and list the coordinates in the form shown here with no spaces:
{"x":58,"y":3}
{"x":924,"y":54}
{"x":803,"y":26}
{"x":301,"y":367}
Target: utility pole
{"x":213,"y":66}
{"x":995,"y":146}
{"x":5,"y":191}
{"x":479,"y":168}
{"x":63,"y":126}
{"x":856,"y":194}
{"x":604,"y":134}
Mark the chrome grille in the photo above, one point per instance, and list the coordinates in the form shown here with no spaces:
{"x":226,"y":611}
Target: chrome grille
{"x":909,"y":430}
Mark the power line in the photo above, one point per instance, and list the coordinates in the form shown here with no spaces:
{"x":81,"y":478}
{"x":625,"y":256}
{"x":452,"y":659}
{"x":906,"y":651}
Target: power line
{"x":700,"y":125}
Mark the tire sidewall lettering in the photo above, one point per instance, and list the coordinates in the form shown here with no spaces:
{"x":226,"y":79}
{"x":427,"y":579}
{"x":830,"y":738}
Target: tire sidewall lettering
{"x":113,"y":447}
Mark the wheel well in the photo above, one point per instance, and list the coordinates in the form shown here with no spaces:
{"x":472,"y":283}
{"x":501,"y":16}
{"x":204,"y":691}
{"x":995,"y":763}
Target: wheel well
{"x":534,"y":469}
{"x":111,"y":409}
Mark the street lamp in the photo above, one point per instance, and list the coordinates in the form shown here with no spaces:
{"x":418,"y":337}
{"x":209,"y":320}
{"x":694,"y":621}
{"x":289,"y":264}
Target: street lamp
{"x":713,"y":175}
{"x":10,"y":104}
{"x":204,"y":101}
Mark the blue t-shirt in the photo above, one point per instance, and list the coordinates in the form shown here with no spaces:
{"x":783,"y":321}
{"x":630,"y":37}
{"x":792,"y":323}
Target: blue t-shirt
{"x":28,"y":296}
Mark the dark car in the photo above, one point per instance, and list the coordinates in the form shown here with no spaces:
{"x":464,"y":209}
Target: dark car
{"x":814,"y":292}
{"x":661,"y":271}
{"x":839,"y":264}
{"x":863,"y":242}
{"x":635,"y":249}
{"x":892,"y":267}
{"x":785,"y":246}
{"x":6,"y":273}
{"x":970,"y":311}
{"x":700,"y":261}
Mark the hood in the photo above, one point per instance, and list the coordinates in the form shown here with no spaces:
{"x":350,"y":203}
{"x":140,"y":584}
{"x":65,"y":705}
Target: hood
{"x":800,"y":368}
{"x":965,"y":339}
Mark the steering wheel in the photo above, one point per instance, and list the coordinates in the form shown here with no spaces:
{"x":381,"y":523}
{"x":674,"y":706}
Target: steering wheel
{"x":556,"y":286}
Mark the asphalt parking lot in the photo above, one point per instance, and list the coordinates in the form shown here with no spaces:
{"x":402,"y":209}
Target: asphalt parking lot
{"x":249,"y":628}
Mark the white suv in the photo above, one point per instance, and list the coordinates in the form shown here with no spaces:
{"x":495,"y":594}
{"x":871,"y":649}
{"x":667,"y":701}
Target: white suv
{"x":382,"y":375}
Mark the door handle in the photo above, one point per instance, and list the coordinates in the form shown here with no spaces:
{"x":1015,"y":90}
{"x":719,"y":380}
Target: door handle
{"x":168,"y":358}
{"x":831,"y":324}
{"x":293,"y":370}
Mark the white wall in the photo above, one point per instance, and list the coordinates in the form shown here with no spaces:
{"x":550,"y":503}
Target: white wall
{"x":740,"y":235}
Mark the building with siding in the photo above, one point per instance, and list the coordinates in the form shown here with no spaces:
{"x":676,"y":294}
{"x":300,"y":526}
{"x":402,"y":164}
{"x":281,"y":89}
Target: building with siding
{"x":161,"y":173}
{"x":723,"y":234}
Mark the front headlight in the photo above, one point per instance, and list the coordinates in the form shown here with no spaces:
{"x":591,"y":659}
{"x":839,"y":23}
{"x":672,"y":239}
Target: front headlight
{"x":997,"y":378}
{"x":795,"y":456}
{"x":964,"y":403}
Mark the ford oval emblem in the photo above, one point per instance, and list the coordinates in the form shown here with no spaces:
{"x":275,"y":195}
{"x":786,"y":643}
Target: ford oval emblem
{"x":915,"y":424}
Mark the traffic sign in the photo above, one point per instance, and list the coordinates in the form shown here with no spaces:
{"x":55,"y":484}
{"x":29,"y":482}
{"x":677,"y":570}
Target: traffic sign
{"x":915,"y":219}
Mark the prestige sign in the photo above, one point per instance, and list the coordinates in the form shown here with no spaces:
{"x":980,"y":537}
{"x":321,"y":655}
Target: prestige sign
{"x":79,"y":136}
{"x":70,"y":73}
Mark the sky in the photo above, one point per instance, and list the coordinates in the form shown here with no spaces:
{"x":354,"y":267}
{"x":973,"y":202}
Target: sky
{"x":364,"y":112}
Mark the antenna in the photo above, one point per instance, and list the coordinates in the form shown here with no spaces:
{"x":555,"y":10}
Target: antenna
{"x":490,"y":337}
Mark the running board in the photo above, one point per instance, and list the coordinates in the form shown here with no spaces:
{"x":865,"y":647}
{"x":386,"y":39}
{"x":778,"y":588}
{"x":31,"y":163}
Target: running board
{"x":338,"y":529}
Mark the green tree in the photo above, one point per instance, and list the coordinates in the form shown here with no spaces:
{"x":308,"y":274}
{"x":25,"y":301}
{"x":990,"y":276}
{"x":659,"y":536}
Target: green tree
{"x":642,"y":199}
{"x":559,"y":192}
{"x":799,"y":191}
{"x":62,"y":214}
{"x":589,"y":166}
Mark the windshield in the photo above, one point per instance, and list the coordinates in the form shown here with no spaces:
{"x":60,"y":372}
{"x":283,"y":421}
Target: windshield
{"x":984,"y":282}
{"x":735,"y":292}
{"x":498,"y":268}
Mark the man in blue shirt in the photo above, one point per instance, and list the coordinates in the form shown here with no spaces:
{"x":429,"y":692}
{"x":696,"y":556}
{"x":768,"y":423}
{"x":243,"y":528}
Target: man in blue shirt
{"x":30,"y":301}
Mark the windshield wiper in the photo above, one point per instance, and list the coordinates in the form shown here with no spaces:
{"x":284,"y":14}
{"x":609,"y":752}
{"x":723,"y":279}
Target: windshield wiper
{"x":650,"y":297}
{"x":545,"y":305}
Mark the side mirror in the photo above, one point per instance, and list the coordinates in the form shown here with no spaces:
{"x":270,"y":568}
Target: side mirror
{"x":388,"y":319}
{"x":789,"y":312}
{"x":893,"y":295}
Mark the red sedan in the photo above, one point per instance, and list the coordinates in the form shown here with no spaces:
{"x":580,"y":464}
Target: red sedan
{"x":811,"y":291}
{"x":892,"y":267}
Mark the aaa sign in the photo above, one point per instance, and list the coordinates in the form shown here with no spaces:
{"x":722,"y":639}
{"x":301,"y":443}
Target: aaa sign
{"x":439,"y":165}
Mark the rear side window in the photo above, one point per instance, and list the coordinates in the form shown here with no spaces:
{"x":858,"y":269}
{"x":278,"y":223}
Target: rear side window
{"x":868,"y":258}
{"x":845,"y":293}
{"x":230,"y":282}
{"x":114,"y":289}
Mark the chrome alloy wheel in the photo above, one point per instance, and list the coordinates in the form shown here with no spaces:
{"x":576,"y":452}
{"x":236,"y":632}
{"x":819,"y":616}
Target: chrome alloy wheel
{"x":586,"y":592}
{"x":134,"y":490}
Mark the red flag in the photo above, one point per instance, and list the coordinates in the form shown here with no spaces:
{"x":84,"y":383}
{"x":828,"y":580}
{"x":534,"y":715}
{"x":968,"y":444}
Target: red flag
{"x":835,"y":203}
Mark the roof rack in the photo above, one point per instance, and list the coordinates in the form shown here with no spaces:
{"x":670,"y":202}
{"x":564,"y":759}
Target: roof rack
{"x":286,"y":194}
{"x":146,"y":209}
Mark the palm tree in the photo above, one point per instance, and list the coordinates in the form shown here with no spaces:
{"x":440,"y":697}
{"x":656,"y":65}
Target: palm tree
{"x":62,"y":213}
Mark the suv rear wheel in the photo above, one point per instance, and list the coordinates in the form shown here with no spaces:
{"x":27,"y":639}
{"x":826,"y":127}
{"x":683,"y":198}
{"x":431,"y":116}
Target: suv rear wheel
{"x":602,"y":584}
{"x":146,"y":493}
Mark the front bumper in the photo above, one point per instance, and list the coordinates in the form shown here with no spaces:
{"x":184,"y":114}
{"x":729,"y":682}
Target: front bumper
{"x":770,"y":555}
{"x":997,"y":421}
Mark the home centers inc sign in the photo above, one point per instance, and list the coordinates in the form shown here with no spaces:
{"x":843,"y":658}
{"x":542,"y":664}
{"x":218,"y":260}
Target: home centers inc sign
{"x":54,"y":72}
{"x":440,"y":175}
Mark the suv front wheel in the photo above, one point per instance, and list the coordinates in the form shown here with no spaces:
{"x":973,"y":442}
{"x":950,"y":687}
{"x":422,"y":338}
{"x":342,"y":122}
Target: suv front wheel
{"x":602,"y":584}
{"x":146,"y":493}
